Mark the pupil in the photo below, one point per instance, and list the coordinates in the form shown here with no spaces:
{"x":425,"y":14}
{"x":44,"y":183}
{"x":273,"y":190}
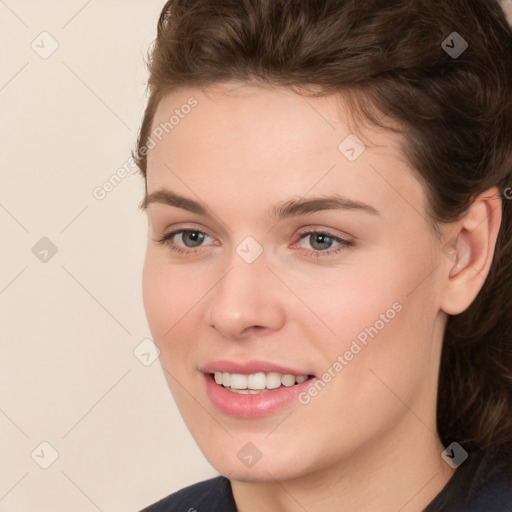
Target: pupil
{"x":195,"y":236}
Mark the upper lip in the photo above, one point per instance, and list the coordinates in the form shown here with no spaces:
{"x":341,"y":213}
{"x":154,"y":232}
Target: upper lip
{"x":250,"y":367}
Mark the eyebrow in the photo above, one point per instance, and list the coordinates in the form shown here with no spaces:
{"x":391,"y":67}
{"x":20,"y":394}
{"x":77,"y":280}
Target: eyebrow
{"x":292,"y":208}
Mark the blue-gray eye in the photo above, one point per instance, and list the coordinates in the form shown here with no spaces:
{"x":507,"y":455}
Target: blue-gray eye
{"x":191,"y":238}
{"x":320,"y":241}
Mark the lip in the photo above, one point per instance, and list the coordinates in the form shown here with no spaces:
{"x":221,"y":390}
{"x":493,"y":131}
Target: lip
{"x":248,"y":367}
{"x":259,"y":405}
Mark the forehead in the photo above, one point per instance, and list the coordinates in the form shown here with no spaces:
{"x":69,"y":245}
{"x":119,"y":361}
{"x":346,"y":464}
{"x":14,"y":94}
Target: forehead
{"x":270,"y":143}
{"x":251,"y":114}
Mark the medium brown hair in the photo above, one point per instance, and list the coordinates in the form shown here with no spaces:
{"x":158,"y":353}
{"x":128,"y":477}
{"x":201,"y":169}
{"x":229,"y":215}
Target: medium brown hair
{"x":455,"y":113}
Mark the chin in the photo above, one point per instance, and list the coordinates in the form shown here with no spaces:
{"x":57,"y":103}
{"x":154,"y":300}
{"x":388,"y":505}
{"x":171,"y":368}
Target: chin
{"x":258,"y":473}
{"x":247,"y":464}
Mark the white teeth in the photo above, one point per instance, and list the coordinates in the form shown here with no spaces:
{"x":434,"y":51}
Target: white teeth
{"x":287,"y":380}
{"x":238,"y":381}
{"x":255,"y":382}
{"x":273,"y":380}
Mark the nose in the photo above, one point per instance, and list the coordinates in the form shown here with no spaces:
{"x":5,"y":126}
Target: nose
{"x":246,"y":301}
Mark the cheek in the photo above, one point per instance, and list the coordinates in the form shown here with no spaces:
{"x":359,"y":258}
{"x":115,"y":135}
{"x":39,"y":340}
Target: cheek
{"x":156,"y":300}
{"x":173,"y":301}
{"x":383,"y":318}
{"x":167,"y":294}
{"x":345,"y":300}
{"x":171,"y":294}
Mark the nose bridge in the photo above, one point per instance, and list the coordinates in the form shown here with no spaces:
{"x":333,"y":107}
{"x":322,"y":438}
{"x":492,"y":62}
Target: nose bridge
{"x":245,"y":297}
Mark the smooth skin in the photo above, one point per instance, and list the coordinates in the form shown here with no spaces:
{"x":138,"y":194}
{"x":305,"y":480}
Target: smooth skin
{"x":367,"y":442}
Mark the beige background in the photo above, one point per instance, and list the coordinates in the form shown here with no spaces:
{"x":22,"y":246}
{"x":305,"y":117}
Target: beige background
{"x":69,"y":326}
{"x":70,"y":322}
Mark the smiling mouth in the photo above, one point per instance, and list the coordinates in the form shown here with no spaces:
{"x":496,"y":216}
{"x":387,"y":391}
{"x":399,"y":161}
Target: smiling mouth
{"x":256,"y":383}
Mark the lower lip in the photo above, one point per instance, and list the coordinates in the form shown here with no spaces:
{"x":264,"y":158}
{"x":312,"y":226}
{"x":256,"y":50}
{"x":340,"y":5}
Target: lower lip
{"x":252,"y":406}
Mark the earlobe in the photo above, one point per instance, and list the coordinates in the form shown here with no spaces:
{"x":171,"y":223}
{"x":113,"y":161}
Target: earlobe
{"x":468,"y":256}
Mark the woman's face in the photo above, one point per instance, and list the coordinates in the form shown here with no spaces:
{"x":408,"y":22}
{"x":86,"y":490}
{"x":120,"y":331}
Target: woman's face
{"x":304,"y":254}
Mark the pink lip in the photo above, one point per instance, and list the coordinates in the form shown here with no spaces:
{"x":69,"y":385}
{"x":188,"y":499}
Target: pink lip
{"x":248,"y":367}
{"x":246,"y":405}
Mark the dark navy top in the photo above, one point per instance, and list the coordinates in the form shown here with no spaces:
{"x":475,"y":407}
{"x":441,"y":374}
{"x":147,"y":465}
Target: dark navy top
{"x":481,"y":484}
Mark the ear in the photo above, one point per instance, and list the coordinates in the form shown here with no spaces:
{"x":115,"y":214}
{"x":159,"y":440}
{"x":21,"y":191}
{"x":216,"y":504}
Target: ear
{"x":469,"y":252}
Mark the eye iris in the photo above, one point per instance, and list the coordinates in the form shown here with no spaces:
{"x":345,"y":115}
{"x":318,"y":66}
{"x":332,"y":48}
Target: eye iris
{"x":317,"y":239}
{"x":195,"y":237}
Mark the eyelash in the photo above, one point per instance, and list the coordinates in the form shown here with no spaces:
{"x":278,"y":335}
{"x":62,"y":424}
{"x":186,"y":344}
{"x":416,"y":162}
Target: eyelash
{"x":344,"y":243}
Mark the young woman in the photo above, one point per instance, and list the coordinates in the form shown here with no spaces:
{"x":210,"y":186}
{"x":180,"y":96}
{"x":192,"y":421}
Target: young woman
{"x":329,"y":263}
